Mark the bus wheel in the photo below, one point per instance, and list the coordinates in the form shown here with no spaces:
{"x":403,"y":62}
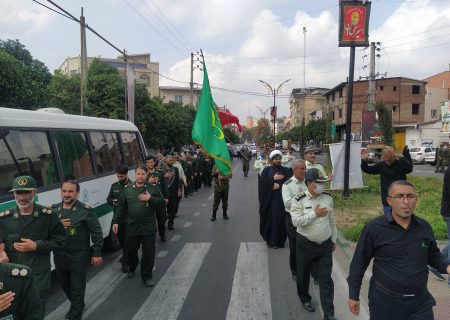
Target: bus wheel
{"x":111,"y":242}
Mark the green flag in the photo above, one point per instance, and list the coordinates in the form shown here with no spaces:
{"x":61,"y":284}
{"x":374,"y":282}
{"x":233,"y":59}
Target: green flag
{"x":207,"y":131}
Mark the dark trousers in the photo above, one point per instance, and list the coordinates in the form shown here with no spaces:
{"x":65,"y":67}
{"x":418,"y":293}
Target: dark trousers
{"x":309,"y":252}
{"x":171,"y":208}
{"x":42,"y":282}
{"x":161,"y":217}
{"x":292,"y":234}
{"x":221,"y":193}
{"x":207,"y":179}
{"x":384,"y":305}
{"x":245,"y":166}
{"x":197,"y":182}
{"x":73,"y":282}
{"x":121,"y":236}
{"x":148,"y":254}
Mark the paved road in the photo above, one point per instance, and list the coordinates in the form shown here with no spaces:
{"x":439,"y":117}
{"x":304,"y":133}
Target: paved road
{"x":220,"y":270}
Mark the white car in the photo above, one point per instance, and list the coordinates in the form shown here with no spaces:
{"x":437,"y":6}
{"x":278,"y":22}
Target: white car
{"x":431,"y":157}
{"x":418,"y":154}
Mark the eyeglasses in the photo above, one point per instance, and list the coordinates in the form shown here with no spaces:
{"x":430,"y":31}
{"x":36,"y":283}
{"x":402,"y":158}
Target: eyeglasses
{"x":401,"y":197}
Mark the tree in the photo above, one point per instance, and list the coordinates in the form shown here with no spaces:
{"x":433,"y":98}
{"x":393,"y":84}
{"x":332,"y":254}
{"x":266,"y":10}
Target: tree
{"x":263,"y":133}
{"x":28,"y":87}
{"x":230,"y":136}
{"x":64,"y":93}
{"x":385,"y":123}
{"x":247,"y":134}
{"x":105,"y":91}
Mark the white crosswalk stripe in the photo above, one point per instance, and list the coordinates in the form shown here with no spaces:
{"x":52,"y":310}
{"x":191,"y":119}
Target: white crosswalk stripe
{"x":250,"y":296}
{"x":168,"y":296}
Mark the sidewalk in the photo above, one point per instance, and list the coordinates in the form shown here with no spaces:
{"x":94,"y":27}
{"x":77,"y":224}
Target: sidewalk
{"x":439,"y":289}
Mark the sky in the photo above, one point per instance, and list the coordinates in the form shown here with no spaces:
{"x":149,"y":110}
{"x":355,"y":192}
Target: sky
{"x":243,"y":41}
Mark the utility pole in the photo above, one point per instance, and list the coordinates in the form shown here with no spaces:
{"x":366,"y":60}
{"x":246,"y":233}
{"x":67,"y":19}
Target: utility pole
{"x":304,"y":57}
{"x":83,"y":62}
{"x":191,"y":84}
{"x":372,"y":76}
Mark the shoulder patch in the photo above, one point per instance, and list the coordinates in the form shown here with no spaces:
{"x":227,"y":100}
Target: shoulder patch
{"x":300,"y":195}
{"x":288,"y":181}
{"x":328,"y":193}
{"x":5,"y":213}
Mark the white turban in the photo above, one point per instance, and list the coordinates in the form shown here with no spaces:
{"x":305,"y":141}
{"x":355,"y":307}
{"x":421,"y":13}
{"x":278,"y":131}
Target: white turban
{"x":274,"y":153}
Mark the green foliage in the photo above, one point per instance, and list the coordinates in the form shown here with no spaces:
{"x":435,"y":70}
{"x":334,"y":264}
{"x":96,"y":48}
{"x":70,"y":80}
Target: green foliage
{"x":263,"y":134}
{"x":23,"y":78}
{"x":385,"y":123}
{"x":316,"y":130}
{"x":247,"y":134}
{"x":353,"y":233}
{"x":64,"y":93}
{"x":230,"y":136}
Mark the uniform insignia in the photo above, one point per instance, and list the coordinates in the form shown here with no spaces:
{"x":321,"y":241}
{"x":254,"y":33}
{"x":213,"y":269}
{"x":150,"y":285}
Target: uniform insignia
{"x":49,"y":211}
{"x":87,"y":206}
{"x":44,"y":210}
{"x":15,"y":272}
{"x":1,"y":285}
{"x":2,"y":214}
{"x":23,"y":272}
{"x":35,"y":214}
{"x":299,"y":196}
{"x":7,"y":212}
{"x":72,"y":231}
{"x":325,"y":192}
{"x":288,"y":181}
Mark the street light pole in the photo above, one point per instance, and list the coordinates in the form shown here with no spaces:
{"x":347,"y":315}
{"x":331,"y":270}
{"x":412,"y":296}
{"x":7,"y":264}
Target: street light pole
{"x":274,"y":108}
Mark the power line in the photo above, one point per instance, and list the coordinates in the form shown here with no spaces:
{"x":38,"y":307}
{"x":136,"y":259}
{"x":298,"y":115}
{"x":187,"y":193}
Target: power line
{"x":60,"y":13}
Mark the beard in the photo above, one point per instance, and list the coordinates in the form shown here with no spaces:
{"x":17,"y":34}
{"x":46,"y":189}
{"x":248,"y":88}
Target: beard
{"x":68,"y":200}
{"x":24,"y":204}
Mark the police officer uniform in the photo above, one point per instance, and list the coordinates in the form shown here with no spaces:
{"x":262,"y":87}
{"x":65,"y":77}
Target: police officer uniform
{"x":113,"y":196}
{"x":246,"y":157}
{"x":315,"y":241}
{"x":161,"y":212}
{"x":71,"y":262}
{"x":291,"y":188}
{"x":221,"y":189}
{"x":19,"y":280}
{"x":43,"y":227}
{"x":141,"y":226}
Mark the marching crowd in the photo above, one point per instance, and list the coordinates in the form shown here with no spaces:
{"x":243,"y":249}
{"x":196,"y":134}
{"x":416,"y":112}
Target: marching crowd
{"x":293,"y":204}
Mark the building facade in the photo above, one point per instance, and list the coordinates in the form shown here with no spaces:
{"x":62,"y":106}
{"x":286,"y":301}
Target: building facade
{"x":145,"y":71}
{"x":404,"y":97}
{"x":308,"y":103}
{"x":440,"y":81}
{"x":180,"y":95}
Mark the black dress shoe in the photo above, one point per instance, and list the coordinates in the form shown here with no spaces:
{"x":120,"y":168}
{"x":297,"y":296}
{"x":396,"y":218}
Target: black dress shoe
{"x":148,"y":282}
{"x":170,"y":227}
{"x":66,"y":316}
{"x":130,"y":274}
{"x":308,"y":307}
{"x":163,"y":239}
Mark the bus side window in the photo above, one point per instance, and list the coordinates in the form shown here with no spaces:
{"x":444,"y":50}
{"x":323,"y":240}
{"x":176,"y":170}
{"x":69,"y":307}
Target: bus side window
{"x":73,"y":151}
{"x":132,"y":149}
{"x":25,"y":153}
{"x":107,"y":151}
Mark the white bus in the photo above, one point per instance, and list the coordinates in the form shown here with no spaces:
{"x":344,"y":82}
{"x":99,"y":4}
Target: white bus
{"x":52,"y":146}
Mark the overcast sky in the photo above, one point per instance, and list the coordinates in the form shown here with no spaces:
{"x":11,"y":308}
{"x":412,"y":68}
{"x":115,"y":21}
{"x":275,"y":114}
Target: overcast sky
{"x":243,"y":40}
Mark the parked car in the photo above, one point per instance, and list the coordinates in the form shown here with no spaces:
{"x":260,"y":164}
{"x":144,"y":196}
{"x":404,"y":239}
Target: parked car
{"x":430,"y":157}
{"x":418,"y":154}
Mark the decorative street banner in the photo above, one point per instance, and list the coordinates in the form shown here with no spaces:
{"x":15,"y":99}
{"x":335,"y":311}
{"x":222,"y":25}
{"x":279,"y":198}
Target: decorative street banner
{"x":337,"y":154}
{"x":445,"y":112}
{"x":354,"y":23}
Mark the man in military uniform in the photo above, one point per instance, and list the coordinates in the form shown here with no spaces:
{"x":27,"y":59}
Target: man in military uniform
{"x":113,"y":196}
{"x":246,"y":157}
{"x":173,"y":184}
{"x":197,"y":167}
{"x":287,"y":159}
{"x":137,"y":203}
{"x":221,"y":188}
{"x":31,"y":232}
{"x":310,"y":158}
{"x":208,"y":164}
{"x":313,"y":216}
{"x":156,"y":176}
{"x":82,"y":225}
{"x":294,"y":186}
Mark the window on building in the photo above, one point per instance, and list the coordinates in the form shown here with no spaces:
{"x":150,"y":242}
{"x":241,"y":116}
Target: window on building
{"x":144,"y":79}
{"x":433,"y":113}
{"x":395,"y":88}
{"x":332,"y":97}
{"x":73,"y":72}
{"x":381,"y":88}
{"x":340,"y":93}
{"x":415,"y":108}
{"x":332,"y":115}
{"x":394,"y":108}
{"x":179,"y":98}
{"x":340,"y":113}
{"x":415,"y":89}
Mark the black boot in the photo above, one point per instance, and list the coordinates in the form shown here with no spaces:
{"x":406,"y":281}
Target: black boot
{"x":225,"y":216}
{"x":213,"y":218}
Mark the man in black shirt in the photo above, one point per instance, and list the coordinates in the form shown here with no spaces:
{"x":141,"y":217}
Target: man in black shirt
{"x":402,"y":245}
{"x":393,"y":167}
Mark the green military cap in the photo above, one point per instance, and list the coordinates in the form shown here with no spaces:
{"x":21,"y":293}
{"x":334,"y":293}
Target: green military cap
{"x":23,"y":183}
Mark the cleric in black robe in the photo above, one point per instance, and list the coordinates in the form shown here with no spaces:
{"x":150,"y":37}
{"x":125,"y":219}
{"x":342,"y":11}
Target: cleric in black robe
{"x":271,"y":206}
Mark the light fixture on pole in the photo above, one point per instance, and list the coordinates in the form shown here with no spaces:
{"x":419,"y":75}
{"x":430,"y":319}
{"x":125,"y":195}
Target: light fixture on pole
{"x":273,"y":111}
